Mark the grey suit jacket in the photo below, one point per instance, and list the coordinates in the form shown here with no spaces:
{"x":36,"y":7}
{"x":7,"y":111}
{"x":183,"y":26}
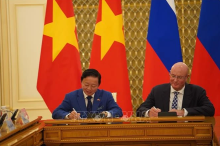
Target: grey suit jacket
{"x":195,"y":100}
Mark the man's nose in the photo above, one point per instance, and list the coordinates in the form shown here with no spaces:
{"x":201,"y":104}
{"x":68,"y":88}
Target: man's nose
{"x":175,"y":79}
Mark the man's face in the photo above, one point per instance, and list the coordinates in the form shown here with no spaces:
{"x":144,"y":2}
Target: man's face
{"x":178,"y":79}
{"x":90,"y":85}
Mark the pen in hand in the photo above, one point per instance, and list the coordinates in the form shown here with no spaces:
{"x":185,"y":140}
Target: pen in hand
{"x":78,"y":114}
{"x":154,"y":112}
{"x":158,"y":110}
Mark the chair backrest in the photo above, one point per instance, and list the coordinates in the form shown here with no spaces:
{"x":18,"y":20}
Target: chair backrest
{"x":114,"y":94}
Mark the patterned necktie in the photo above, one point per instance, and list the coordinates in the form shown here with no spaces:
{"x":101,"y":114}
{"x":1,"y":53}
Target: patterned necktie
{"x":175,"y":101}
{"x":89,"y":105}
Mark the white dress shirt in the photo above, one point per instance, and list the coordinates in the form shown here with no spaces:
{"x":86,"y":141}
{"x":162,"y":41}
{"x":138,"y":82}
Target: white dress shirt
{"x":92,"y":99}
{"x":180,"y":101}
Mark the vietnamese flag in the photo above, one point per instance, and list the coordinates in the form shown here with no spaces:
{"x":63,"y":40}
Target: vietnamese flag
{"x":108,"y":54}
{"x":162,"y":46}
{"x":206,"y":62}
{"x":60,"y":67}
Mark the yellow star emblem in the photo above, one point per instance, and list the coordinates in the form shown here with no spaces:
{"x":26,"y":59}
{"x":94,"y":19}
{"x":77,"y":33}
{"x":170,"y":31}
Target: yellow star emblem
{"x":62,"y":30}
{"x":110,"y":28}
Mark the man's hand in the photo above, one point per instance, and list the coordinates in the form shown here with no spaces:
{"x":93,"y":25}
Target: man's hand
{"x":105,"y":113}
{"x":153,"y":112}
{"x":74,"y":115}
{"x":178,"y":112}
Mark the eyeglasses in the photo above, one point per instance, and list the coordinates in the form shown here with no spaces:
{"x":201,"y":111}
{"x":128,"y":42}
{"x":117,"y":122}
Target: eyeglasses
{"x":177,"y":77}
{"x":92,"y":86}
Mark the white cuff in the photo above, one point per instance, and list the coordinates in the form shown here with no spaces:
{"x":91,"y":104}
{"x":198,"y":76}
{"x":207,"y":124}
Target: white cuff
{"x":66,"y":117}
{"x":146,"y":114}
{"x":108,"y":114}
{"x":185,"y":112}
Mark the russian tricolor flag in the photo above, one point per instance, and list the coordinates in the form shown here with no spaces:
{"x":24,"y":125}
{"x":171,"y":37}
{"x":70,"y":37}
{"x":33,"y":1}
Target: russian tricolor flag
{"x":206,"y":62}
{"x":163,"y":44}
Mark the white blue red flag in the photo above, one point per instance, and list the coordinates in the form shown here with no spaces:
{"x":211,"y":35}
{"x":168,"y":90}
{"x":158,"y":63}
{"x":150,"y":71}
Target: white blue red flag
{"x":163,"y":44}
{"x":206,"y":62}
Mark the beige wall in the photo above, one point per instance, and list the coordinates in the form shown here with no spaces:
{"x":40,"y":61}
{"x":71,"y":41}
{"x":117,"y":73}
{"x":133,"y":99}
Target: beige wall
{"x":21,"y":29}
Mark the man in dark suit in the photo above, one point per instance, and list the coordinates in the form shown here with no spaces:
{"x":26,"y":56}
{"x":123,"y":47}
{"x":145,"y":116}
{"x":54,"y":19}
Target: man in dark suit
{"x":177,"y":96}
{"x":88,"y":99}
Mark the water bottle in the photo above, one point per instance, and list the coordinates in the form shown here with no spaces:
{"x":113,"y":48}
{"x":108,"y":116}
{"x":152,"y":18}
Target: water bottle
{"x":4,"y":110}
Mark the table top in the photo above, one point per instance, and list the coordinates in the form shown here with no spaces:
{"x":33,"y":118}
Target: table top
{"x":132,"y":119}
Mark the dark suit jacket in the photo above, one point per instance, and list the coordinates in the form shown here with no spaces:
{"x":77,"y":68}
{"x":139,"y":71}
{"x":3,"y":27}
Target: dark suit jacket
{"x":195,"y":100}
{"x":103,"y":101}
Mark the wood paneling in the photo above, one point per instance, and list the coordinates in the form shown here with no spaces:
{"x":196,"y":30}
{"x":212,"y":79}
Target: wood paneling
{"x":133,"y":133}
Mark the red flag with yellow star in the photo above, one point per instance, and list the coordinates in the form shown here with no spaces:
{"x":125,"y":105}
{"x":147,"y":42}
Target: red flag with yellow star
{"x":108,"y":54}
{"x":60,"y":67}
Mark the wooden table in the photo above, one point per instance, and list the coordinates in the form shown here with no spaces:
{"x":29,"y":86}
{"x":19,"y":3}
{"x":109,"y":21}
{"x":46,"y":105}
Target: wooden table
{"x":216,"y":129}
{"x":163,"y":131}
{"x":187,"y":131}
{"x":30,"y":134}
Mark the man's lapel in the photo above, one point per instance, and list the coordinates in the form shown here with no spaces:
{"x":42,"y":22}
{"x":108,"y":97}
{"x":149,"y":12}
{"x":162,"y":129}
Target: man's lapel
{"x":187,"y":96}
{"x":166,"y":98}
{"x":96,"y":101}
{"x":81,"y":101}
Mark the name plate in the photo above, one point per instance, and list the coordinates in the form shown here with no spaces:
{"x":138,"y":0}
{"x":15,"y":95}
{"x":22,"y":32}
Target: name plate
{"x":25,"y":121}
{"x":10,"y":124}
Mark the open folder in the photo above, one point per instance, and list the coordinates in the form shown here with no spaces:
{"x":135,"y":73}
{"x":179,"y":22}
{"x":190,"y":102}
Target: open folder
{"x":164,"y":114}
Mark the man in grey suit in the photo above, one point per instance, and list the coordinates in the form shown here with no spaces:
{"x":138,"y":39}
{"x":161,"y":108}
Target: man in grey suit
{"x":89,"y":99}
{"x":177,"y":96}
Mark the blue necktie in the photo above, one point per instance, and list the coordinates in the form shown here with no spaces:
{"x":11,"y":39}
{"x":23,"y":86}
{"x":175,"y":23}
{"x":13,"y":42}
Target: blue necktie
{"x":175,"y":101}
{"x":89,"y":105}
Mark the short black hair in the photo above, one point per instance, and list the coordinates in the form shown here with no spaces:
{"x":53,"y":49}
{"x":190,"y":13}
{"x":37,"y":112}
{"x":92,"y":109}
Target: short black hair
{"x":93,"y":73}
